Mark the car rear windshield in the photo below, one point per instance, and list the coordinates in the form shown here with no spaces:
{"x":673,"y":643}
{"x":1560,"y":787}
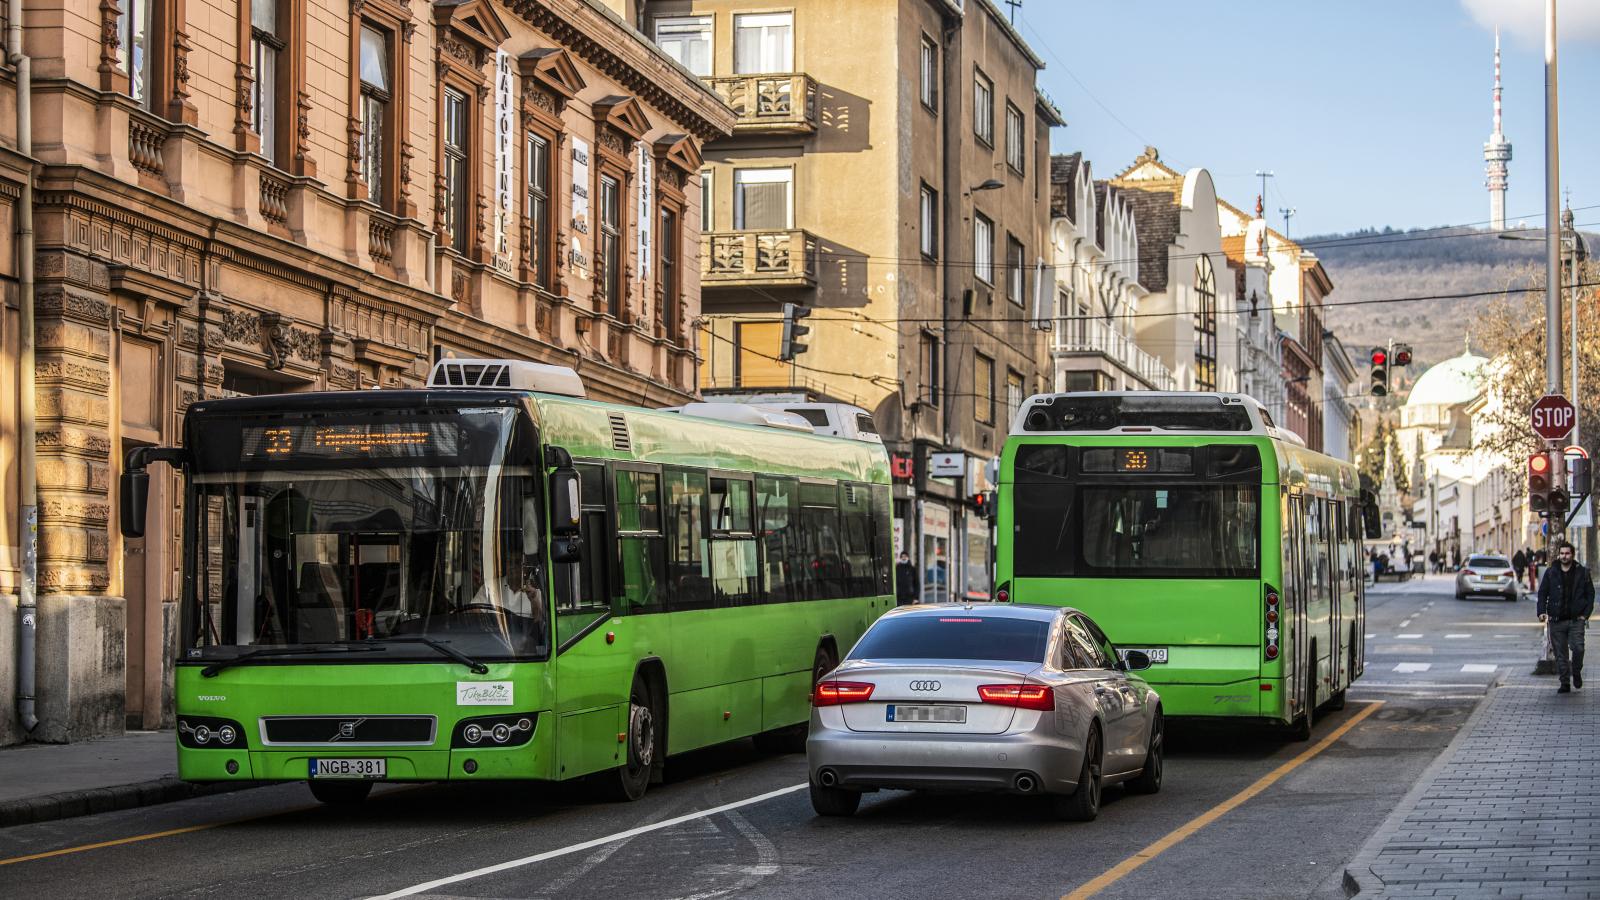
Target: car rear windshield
{"x":955,"y":636}
{"x":1489,"y":562}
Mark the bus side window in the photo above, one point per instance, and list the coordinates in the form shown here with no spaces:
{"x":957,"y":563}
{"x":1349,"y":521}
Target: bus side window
{"x":882,"y":540}
{"x":777,"y":535}
{"x":688,"y":578}
{"x":640,"y":551}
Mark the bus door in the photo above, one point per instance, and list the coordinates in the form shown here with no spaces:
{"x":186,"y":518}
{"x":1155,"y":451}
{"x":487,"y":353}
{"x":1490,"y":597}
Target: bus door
{"x":1298,"y":600}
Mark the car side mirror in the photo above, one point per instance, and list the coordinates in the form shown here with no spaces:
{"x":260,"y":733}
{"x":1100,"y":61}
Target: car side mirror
{"x":1135,"y":660}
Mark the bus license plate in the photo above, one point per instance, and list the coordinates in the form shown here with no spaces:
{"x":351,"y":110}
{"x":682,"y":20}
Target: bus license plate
{"x":345,"y":767}
{"x":1157,"y":654}
{"x":955,"y":715}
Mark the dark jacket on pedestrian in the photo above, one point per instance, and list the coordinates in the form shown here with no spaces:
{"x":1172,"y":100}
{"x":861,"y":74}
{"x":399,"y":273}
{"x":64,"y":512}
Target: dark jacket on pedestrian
{"x":1519,"y":562}
{"x":1561,"y":604}
{"x":905,"y":582}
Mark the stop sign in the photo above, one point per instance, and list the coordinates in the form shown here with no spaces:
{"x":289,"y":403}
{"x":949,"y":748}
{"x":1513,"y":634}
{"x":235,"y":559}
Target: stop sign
{"x":1553,"y":417}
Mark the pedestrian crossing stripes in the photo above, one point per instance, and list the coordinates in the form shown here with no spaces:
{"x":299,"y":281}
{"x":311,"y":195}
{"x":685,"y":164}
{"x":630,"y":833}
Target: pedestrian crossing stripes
{"x":1417,"y":668}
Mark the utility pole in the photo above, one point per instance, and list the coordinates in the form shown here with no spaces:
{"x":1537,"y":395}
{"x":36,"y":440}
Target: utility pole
{"x":1287,"y":213}
{"x":1552,"y":237}
{"x":1015,"y":5}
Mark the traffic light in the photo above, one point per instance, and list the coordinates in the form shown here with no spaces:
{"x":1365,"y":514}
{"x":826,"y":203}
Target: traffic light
{"x":1578,"y":472}
{"x":1539,"y":483}
{"x":1402,"y":355}
{"x":1380,"y":372}
{"x":984,"y":501}
{"x":793,"y":331}
{"x":1560,"y":502}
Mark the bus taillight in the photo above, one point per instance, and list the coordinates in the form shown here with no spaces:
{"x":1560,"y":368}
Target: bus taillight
{"x":1271,"y":615}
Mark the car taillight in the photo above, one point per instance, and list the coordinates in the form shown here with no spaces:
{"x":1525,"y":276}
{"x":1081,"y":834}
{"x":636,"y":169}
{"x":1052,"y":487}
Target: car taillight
{"x":1468,"y":572}
{"x":1022,"y":696}
{"x":833,"y":693}
{"x":1271,"y":616}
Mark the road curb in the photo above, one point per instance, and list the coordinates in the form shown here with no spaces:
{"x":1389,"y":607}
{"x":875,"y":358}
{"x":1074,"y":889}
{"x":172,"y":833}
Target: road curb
{"x":71,"y":804}
{"x":1358,"y":875}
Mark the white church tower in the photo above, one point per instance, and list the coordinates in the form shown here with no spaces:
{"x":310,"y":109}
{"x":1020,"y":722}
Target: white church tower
{"x":1496,"y":153}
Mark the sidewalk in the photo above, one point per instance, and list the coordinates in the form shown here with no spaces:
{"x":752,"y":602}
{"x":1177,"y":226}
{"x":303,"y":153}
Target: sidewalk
{"x":41,"y":782}
{"x":1510,"y":809}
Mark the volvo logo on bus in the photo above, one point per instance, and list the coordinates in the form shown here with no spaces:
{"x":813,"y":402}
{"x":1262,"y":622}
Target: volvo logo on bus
{"x":925,"y":685}
{"x":347,"y":730}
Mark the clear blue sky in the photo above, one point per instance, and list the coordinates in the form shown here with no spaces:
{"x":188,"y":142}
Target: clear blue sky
{"x":1370,"y":112}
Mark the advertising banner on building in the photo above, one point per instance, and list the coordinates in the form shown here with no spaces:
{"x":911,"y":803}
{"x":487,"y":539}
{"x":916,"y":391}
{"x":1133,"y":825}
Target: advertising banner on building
{"x":580,"y":203}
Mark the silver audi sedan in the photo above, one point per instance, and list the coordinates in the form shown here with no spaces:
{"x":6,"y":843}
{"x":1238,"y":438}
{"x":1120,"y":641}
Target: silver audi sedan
{"x":997,"y":697}
{"x":1484,"y":574}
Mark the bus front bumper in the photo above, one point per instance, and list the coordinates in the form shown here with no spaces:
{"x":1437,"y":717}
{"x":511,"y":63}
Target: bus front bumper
{"x":529,"y":761}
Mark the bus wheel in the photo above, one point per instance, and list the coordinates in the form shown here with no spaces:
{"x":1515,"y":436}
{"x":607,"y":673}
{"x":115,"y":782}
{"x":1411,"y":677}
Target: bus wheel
{"x":629,"y":780}
{"x":340,"y":793}
{"x":792,"y":738}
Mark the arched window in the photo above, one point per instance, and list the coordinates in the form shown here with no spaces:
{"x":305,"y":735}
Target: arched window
{"x":1205,"y":326}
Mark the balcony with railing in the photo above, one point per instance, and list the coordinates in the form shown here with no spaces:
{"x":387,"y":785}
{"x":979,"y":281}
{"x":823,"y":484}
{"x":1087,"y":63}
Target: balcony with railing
{"x":771,"y":259}
{"x":1081,"y":336}
{"x":784,"y":103}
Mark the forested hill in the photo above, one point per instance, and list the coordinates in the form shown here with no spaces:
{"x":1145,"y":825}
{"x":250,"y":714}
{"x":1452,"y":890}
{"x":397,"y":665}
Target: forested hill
{"x":1374,"y":264}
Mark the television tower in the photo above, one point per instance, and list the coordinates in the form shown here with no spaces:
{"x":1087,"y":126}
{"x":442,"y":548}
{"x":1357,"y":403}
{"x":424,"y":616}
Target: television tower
{"x":1496,"y":153}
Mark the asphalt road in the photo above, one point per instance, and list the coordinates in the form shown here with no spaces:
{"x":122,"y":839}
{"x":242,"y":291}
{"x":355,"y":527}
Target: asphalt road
{"x":1429,"y":658}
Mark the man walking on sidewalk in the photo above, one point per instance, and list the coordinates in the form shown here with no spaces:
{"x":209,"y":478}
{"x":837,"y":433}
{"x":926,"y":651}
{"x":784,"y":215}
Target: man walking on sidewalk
{"x":1566,"y":599}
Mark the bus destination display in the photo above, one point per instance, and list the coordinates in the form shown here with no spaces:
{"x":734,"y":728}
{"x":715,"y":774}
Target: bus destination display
{"x":363,"y":441}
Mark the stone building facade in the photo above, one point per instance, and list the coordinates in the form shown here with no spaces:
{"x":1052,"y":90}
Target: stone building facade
{"x":253,"y":196}
{"x":889,"y":172}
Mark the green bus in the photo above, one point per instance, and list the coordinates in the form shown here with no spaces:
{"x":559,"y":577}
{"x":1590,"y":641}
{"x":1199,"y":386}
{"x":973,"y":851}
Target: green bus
{"x":1190,"y":527}
{"x":493,"y":578}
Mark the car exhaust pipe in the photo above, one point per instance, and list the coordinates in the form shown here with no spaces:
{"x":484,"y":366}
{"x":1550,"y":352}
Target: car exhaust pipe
{"x":1025,"y":783}
{"x":827,"y":778}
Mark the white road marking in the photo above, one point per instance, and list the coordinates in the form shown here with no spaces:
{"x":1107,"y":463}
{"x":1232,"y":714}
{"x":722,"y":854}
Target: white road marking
{"x":1479,"y":668}
{"x":1413,"y":667}
{"x":1371,"y":636}
{"x":1456,"y":637}
{"x":1406,"y":624}
{"x":585,"y":845}
{"x":1408,"y":637}
{"x":1412,"y":685}
{"x":1504,"y":636}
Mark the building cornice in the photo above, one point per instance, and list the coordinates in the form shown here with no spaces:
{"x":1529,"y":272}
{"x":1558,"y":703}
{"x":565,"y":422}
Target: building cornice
{"x":635,"y":63}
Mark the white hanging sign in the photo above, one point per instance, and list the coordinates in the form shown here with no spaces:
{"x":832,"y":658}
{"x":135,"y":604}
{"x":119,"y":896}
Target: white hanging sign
{"x":504,"y":161}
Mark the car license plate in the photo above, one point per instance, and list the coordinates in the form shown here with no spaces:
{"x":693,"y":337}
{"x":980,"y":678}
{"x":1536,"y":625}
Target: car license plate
{"x":1491,"y":578}
{"x":1156,"y":654}
{"x":345,"y":767}
{"x":954,"y":715}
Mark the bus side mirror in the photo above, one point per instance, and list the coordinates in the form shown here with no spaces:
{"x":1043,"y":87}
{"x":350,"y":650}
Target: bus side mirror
{"x":135,"y":495}
{"x":564,"y":502}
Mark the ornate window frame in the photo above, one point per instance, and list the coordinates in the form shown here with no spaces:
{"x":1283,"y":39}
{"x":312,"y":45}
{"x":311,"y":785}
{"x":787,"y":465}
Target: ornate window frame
{"x":291,"y":100}
{"x":678,"y":160}
{"x":550,"y":79}
{"x":619,"y":124}
{"x":467,"y":32}
{"x":394,"y":20}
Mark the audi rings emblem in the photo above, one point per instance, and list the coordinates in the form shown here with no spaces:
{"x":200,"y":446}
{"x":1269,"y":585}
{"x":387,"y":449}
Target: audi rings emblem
{"x":925,"y":685}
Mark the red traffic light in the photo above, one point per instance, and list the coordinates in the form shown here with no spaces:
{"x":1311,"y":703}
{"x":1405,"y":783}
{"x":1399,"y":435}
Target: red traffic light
{"x":1538,"y":464}
{"x":1402,"y":357}
{"x":1379,"y":356}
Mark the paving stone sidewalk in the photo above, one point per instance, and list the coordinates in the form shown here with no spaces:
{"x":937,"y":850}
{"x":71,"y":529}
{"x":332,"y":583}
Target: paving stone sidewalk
{"x":41,"y":782}
{"x":1510,"y":809}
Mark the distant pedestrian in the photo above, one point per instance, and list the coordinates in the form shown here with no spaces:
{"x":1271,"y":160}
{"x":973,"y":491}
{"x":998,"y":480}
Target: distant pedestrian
{"x":1566,"y":599}
{"x":1433,"y":561}
{"x":1455,"y":557}
{"x":1519,"y":561}
{"x":906,"y":587}
{"x":1377,"y":566}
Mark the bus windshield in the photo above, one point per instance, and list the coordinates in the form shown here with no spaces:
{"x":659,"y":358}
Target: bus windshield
{"x":1138,"y":531}
{"x":312,"y":554}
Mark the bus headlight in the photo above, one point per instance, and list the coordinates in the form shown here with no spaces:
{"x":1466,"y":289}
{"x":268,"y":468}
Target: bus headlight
{"x":210,"y":732}
{"x":506,"y":730}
